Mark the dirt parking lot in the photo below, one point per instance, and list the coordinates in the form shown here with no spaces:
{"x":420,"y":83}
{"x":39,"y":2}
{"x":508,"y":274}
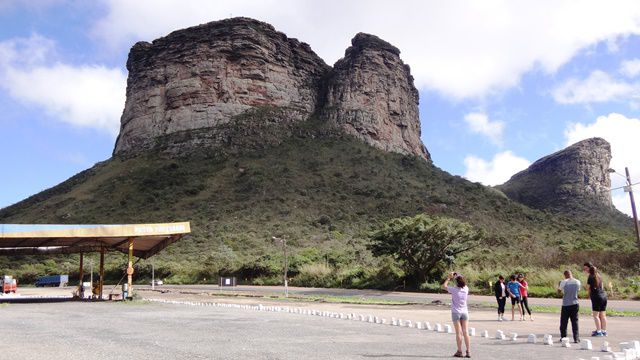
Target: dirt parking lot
{"x":146,"y":330}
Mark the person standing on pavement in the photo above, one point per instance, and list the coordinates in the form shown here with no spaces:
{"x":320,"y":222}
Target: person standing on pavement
{"x":524,"y":295}
{"x":459,"y":311}
{"x":569,"y":287}
{"x":513,"y":287}
{"x":500,"y":291}
{"x":598,"y":297}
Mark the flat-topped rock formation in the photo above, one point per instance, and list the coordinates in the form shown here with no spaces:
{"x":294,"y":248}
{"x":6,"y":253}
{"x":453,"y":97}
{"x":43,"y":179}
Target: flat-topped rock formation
{"x":201,"y":77}
{"x":196,"y":85}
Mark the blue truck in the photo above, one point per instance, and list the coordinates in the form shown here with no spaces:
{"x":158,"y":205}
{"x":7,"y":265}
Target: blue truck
{"x":53,"y":280}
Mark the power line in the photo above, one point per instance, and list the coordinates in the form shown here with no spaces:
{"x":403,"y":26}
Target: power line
{"x":624,"y":186}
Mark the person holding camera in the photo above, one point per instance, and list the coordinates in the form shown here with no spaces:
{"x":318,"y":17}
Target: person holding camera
{"x":459,"y":311}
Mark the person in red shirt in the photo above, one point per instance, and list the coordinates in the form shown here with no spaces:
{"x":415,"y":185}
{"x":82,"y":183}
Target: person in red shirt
{"x":524,"y":294}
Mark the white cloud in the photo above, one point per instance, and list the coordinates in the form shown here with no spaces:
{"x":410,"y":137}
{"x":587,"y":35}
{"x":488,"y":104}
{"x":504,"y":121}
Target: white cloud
{"x":461,"y":49}
{"x":621,"y":201}
{"x":480,"y":123}
{"x":598,"y":87}
{"x":496,"y":171}
{"x":26,"y":51}
{"x":623,"y":134}
{"x":630,"y":68}
{"x":87,"y":95}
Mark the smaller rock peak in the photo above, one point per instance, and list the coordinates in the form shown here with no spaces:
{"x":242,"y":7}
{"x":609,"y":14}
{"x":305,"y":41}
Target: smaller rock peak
{"x":367,"y":41}
{"x":573,"y":180}
{"x":591,"y":143}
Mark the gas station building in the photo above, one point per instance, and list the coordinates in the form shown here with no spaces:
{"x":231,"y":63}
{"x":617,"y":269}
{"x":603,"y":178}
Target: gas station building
{"x":135,"y":240}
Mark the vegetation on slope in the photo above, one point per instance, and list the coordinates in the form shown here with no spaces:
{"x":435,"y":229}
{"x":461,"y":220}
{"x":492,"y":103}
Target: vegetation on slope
{"x":326,"y":194}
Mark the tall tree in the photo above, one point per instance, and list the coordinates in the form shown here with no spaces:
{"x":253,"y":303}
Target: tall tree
{"x":422,"y":243}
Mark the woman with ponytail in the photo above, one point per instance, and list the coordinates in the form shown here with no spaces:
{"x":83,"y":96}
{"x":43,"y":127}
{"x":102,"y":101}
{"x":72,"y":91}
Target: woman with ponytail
{"x":598,"y":297}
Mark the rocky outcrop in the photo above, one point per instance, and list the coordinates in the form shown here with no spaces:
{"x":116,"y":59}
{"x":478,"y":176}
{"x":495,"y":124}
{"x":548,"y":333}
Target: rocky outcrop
{"x":238,"y":78}
{"x":571,"y":180}
{"x":201,"y":77}
{"x":370,"y":94}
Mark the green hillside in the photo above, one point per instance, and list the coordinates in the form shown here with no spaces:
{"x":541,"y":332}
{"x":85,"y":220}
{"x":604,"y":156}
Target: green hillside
{"x":324,"y":193}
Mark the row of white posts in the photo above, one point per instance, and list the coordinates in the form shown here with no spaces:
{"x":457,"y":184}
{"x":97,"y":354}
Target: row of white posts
{"x":628,"y":350}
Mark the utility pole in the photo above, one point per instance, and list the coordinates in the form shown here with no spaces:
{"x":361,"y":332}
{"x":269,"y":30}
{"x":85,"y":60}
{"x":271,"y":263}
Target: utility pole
{"x":91,"y":276}
{"x":629,"y":189}
{"x":283,"y":240}
{"x":286,"y":265}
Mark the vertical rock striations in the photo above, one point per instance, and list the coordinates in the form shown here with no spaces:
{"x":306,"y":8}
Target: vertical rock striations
{"x":571,"y":180}
{"x":370,"y":94}
{"x":239,"y":81}
{"x":201,"y":77}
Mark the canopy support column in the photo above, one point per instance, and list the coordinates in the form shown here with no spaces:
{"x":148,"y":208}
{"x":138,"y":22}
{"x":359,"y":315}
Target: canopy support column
{"x":81,"y":277}
{"x":130,"y":269}
{"x":101,"y":281}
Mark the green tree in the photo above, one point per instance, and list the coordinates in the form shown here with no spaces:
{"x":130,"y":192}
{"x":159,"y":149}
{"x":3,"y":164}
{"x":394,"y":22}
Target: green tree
{"x":422,"y":243}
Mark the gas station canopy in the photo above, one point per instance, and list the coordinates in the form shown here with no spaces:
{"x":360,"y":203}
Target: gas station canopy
{"x":68,"y":239}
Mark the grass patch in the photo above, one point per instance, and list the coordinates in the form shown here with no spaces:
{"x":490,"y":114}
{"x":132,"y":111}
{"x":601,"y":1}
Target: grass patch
{"x":583,"y":311}
{"x":354,"y":300}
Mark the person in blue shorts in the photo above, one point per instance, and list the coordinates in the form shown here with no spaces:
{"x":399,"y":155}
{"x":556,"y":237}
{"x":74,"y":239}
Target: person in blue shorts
{"x":513,"y":287}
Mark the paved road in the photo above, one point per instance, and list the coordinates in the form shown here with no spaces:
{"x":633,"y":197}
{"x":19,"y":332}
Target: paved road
{"x":621,"y":305}
{"x":85,"y":330}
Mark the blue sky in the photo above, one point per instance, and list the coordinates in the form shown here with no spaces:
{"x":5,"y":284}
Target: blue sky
{"x":501,"y":83}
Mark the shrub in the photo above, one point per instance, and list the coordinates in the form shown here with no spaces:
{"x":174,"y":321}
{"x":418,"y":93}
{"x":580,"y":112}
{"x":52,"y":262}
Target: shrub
{"x":314,"y":275}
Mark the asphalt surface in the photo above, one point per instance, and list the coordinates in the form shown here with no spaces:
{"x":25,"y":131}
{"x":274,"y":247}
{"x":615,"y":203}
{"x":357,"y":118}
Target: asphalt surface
{"x":108,"y":330}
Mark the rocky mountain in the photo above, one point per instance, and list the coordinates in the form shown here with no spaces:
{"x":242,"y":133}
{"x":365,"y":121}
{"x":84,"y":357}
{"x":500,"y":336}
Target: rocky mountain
{"x":571,"y":180}
{"x":248,"y":134}
{"x":196,"y":86}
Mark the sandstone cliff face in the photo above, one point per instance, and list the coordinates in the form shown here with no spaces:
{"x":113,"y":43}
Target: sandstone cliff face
{"x":201,"y":77}
{"x":200,"y":86}
{"x":570,"y":180}
{"x":370,"y":94}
